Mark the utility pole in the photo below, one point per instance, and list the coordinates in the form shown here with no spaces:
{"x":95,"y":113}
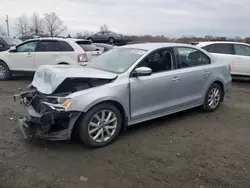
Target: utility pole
{"x":7,"y":22}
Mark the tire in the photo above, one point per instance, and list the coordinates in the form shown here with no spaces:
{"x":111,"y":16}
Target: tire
{"x":90,"y":39}
{"x":111,"y":40}
{"x":5,"y":73}
{"x":208,"y":105}
{"x":63,"y":63}
{"x":104,"y":138}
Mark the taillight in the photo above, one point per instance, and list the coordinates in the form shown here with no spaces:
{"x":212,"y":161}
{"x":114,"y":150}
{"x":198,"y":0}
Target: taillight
{"x":229,"y":67}
{"x":82,"y":58}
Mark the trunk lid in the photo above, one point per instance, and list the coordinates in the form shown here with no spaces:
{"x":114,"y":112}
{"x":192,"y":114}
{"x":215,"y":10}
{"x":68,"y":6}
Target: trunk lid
{"x":48,"y":77}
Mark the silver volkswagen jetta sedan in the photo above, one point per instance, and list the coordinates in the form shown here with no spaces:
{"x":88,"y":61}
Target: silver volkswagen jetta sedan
{"x":122,"y":87}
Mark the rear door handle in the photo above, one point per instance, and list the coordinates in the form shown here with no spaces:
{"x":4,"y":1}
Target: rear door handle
{"x":207,"y":73}
{"x":176,"y":79}
{"x":29,"y":55}
{"x":54,"y":55}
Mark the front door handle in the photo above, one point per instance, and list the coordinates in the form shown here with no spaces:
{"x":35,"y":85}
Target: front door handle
{"x":176,"y":79}
{"x":207,"y":73}
{"x":54,"y":55}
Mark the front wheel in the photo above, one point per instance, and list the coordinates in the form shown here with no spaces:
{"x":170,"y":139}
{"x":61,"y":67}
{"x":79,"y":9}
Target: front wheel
{"x":213,"y":98}
{"x":100,"y":125}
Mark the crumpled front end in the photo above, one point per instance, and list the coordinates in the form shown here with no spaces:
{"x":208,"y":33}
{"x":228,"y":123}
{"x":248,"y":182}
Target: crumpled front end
{"x":46,"y":116}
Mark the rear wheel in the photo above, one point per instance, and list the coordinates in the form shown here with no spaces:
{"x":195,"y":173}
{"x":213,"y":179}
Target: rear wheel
{"x":90,"y":39}
{"x":213,"y":98}
{"x":5,"y":73}
{"x":100,"y":125}
{"x":111,"y":40}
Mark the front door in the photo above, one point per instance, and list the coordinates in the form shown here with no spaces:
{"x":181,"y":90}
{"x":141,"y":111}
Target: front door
{"x":154,"y":94}
{"x":23,"y":58}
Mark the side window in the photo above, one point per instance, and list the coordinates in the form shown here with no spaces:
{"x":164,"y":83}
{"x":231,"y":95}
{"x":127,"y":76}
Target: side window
{"x":161,"y":60}
{"x":221,"y":49}
{"x":48,"y":46}
{"x":27,"y":47}
{"x":99,"y":33}
{"x":65,"y":47}
{"x":190,"y":57}
{"x":242,"y":50}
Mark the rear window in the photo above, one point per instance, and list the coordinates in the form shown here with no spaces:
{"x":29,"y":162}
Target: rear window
{"x":88,"y":47}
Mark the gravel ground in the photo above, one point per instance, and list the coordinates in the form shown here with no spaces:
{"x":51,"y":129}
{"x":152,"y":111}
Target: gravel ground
{"x":188,"y":149}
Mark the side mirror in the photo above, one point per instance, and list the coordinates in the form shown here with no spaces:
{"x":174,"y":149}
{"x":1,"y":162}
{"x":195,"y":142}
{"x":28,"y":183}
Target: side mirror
{"x":12,"y":49}
{"x":142,"y":71}
{"x":1,"y":45}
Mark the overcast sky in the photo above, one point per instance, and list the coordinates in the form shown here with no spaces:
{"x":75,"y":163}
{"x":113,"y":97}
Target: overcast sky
{"x":172,"y":18}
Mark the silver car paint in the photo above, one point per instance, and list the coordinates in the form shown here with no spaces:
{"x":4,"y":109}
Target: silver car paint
{"x":156,"y":95}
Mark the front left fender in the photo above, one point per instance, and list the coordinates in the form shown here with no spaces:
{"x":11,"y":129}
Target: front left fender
{"x":85,"y":100}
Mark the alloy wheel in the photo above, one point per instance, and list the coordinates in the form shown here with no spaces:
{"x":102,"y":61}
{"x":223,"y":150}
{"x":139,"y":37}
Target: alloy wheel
{"x":214,"y":98}
{"x":2,"y":71}
{"x":102,"y":126}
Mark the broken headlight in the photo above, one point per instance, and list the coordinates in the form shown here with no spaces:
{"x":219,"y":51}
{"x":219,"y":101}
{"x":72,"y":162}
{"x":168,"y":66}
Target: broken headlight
{"x":64,"y":102}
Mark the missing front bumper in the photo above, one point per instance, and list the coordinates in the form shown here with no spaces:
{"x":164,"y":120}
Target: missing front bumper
{"x":54,"y":125}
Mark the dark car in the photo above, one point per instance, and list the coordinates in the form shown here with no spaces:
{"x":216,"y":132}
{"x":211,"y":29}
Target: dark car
{"x":108,"y":37}
{"x":104,"y":47}
{"x":7,"y":42}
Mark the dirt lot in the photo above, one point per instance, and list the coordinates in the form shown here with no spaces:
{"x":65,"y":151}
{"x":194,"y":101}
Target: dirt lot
{"x":189,"y":149}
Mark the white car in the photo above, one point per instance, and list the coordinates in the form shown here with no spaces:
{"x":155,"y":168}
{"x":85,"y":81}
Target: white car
{"x":235,"y":53}
{"x":29,"y":55}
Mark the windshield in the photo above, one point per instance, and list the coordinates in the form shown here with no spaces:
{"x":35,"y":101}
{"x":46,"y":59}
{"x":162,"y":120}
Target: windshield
{"x":11,"y":41}
{"x":117,"y":60}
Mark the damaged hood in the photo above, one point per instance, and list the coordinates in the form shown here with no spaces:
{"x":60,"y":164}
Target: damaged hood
{"x":48,"y":77}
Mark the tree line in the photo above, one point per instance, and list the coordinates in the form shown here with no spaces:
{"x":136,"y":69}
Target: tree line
{"x":48,"y":25}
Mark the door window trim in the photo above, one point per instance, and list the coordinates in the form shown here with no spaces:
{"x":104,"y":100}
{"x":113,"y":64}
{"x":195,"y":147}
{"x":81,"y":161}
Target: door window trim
{"x":171,"y":49}
{"x":26,"y":43}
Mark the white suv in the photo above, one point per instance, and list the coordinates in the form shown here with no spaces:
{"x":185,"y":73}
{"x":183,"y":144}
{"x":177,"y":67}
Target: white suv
{"x":235,"y":53}
{"x":26,"y":57}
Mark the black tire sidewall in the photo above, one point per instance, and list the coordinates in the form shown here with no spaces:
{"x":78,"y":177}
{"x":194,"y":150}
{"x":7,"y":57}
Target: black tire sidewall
{"x":8,"y":74}
{"x":111,"y":38}
{"x":85,"y":119}
{"x":90,"y":39}
{"x":206,"y":106}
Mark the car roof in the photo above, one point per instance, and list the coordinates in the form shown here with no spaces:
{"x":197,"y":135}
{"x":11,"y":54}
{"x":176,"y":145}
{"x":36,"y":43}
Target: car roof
{"x":201,"y":44}
{"x":50,"y":38}
{"x":154,"y":46}
{"x":80,"y":39}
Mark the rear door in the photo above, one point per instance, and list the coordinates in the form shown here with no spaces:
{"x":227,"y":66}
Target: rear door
{"x":224,"y":51}
{"x":241,"y":65}
{"x":192,"y":74}
{"x":52,"y":52}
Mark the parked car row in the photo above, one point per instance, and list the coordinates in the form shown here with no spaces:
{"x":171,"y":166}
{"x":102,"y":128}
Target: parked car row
{"x":7,"y":42}
{"x":122,"y":87}
{"x":29,"y":55}
{"x":235,"y":53}
{"x":109,"y":37}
